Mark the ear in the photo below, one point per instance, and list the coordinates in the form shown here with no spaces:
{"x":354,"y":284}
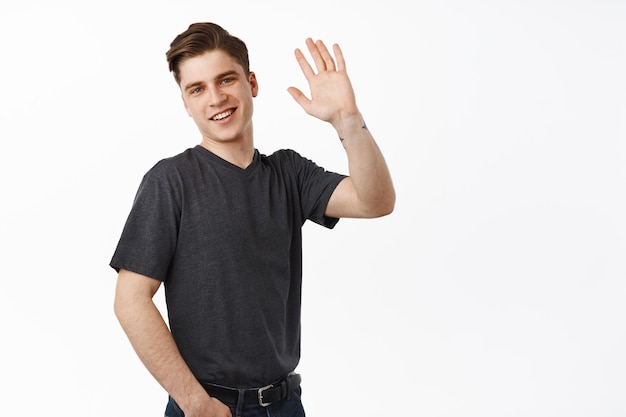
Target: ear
{"x":254,"y":84}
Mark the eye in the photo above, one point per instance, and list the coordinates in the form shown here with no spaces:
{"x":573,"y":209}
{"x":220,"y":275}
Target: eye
{"x":196,"y":90}
{"x":227,"y":81}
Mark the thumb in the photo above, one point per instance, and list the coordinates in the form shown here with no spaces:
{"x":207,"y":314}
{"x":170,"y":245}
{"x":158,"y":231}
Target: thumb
{"x":299,"y":96}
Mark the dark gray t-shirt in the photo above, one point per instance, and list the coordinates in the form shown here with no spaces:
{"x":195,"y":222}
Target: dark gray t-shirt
{"x":227,"y":243}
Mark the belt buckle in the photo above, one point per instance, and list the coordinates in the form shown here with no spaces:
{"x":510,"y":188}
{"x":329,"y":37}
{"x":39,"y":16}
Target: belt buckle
{"x":260,"y":395}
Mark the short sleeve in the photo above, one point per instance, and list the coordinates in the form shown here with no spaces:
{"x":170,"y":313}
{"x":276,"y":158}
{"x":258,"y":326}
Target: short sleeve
{"x":316,"y":186}
{"x":148,"y":240}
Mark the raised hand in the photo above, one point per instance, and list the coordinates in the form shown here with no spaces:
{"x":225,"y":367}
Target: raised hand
{"x":332,"y":97}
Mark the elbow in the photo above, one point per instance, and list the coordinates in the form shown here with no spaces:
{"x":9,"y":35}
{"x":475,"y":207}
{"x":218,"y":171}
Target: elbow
{"x":389,"y":202}
{"x":383,"y":207}
{"x":387,"y":208}
{"x":124,"y":308}
{"x":119,"y":309}
{"x":126,"y":314}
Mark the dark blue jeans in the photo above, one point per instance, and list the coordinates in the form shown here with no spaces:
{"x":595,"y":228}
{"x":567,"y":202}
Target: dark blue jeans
{"x":289,"y":407}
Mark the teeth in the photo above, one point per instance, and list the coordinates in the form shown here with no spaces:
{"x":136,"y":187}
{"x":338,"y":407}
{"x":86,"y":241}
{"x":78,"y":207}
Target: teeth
{"x":222,"y":115}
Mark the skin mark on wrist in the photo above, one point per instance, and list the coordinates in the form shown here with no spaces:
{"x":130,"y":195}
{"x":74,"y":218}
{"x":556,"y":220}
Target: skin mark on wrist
{"x":362,"y":127}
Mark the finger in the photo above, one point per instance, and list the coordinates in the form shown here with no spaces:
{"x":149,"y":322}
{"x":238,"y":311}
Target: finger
{"x":320,"y":64}
{"x":328,"y":59}
{"x":304,"y":64}
{"x":341,"y":62}
{"x":299,"y":97}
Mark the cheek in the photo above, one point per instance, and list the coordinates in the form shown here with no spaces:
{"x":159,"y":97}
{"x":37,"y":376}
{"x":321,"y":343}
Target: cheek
{"x":186,"y":105}
{"x":192,"y":109}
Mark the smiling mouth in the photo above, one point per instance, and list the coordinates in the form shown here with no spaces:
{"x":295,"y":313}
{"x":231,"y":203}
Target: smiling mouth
{"x":223,"y":115}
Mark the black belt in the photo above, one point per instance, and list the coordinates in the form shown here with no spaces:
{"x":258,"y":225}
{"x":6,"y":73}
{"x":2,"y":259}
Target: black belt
{"x":263,"y":396}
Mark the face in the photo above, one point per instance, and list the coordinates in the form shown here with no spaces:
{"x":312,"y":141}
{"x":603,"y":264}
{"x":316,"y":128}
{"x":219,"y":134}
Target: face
{"x":218,"y":96}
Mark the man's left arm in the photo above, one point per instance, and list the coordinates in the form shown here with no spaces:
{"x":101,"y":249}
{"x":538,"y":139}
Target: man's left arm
{"x":368,"y":191}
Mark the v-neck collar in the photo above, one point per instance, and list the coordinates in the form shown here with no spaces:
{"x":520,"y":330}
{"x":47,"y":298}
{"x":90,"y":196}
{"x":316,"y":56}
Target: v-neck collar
{"x":229,"y":165}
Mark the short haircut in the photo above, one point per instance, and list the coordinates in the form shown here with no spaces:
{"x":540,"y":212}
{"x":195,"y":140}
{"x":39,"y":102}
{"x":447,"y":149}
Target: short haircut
{"x":203,"y":37}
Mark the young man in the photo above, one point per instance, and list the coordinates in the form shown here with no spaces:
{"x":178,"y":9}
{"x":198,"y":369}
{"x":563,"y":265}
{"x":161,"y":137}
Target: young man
{"x":220,"y":226}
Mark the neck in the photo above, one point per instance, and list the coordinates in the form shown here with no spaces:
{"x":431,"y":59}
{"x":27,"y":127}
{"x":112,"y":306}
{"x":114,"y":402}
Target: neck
{"x":235,"y":153}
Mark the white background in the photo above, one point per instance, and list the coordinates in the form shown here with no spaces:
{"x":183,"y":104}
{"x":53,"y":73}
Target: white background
{"x":495,"y":289}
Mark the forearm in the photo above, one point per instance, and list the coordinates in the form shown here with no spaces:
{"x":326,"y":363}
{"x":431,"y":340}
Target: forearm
{"x":367,"y":166}
{"x":155,"y":346}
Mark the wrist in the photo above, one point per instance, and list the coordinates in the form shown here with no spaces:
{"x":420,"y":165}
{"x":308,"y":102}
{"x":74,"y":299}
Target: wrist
{"x":346,"y":125}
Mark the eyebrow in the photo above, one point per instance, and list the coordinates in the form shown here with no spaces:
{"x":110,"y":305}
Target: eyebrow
{"x":193,"y":85}
{"x":217,"y":77}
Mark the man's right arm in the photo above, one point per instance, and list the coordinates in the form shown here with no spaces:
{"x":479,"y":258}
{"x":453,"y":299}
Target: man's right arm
{"x":155,"y":346}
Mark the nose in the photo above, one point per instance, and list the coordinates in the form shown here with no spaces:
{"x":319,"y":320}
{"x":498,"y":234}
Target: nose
{"x":215,"y":96}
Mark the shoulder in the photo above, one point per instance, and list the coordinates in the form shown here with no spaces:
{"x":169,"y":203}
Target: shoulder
{"x":287,"y":157}
{"x":172,"y":165}
{"x":292,"y":163}
{"x":175,"y":162}
{"x":168,"y":174}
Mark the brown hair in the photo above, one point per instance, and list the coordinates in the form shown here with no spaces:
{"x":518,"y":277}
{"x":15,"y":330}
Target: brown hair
{"x":203,"y":37}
